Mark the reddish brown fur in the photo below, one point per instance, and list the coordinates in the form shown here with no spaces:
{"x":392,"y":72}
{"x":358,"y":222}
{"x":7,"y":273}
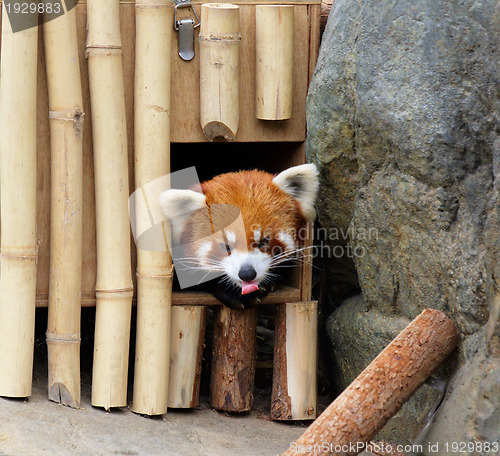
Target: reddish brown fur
{"x":261,"y":202}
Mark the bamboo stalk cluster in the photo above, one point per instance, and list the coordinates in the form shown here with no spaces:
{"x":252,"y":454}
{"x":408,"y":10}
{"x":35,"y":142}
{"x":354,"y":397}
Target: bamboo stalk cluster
{"x":169,"y":341}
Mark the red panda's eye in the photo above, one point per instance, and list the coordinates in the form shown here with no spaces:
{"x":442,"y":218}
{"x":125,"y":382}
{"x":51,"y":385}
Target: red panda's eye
{"x":225,"y":247}
{"x":264,"y":241}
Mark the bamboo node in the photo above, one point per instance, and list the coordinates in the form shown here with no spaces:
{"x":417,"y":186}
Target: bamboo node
{"x":74,"y":338}
{"x":74,"y":115}
{"x":101,"y":293}
{"x":103,"y":47}
{"x":20,"y":256}
{"x":153,"y":276}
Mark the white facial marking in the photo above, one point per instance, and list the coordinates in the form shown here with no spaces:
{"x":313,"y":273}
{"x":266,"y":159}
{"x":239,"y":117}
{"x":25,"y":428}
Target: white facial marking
{"x":204,"y":250}
{"x":260,"y":261}
{"x":256,"y":235}
{"x":231,"y":236}
{"x":287,"y":240}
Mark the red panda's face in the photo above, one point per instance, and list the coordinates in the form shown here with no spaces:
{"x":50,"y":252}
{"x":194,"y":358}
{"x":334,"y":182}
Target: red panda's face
{"x":245,"y":224}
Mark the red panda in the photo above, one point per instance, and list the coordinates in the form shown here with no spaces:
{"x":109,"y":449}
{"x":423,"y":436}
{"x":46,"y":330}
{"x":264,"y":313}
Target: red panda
{"x":271,"y":209}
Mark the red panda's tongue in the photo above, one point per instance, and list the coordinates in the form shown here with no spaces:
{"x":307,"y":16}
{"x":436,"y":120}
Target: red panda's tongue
{"x":248,"y":287}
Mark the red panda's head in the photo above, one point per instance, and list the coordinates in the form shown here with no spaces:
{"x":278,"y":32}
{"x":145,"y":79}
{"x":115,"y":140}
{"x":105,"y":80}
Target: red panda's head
{"x":244,"y":223}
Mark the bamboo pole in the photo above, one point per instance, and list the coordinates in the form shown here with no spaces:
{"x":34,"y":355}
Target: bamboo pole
{"x":234,"y":358}
{"x":186,"y":350}
{"x":18,"y":208}
{"x":356,"y":416}
{"x":114,"y":288}
{"x":154,"y":19}
{"x":274,"y":25}
{"x":66,"y":124}
{"x":295,"y":362}
{"x":219,"y":70}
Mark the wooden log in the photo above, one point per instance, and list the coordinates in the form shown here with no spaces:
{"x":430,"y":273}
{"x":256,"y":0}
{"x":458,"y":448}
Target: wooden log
{"x":186,"y":351}
{"x":219,"y":70}
{"x":234,"y":358}
{"x":356,"y":416}
{"x":294,"y":394}
{"x":114,"y":288}
{"x":18,"y":208}
{"x":65,"y":286}
{"x":326,"y":6}
{"x":274,"y":29}
{"x":154,"y":21}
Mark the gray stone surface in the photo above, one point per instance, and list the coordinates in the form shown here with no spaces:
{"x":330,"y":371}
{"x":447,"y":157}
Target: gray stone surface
{"x":38,"y":427}
{"x":404,"y":124}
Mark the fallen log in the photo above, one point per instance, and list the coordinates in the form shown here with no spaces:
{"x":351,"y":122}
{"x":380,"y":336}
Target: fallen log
{"x":356,"y":416}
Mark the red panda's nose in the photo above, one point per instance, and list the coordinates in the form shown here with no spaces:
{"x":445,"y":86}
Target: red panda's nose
{"x":247,"y":273}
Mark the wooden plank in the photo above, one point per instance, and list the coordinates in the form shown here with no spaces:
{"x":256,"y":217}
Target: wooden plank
{"x":314,"y":19}
{"x":294,"y":394}
{"x":197,"y":298}
{"x":307,"y":265}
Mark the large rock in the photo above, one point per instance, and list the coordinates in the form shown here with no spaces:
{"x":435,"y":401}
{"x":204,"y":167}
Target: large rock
{"x":404,"y":124}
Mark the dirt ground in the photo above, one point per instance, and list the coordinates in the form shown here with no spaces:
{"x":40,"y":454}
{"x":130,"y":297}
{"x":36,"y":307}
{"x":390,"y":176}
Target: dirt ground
{"x":39,"y":427}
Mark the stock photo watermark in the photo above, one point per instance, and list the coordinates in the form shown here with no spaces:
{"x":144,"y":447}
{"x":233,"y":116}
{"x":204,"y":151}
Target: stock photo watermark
{"x":451,"y":448}
{"x":25,"y":14}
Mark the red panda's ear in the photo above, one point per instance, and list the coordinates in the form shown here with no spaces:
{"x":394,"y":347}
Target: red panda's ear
{"x":301,"y":182}
{"x":178,"y":205}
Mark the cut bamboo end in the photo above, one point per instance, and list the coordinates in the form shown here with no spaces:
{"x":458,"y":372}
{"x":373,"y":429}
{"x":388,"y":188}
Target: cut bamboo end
{"x":64,"y":369}
{"x":295,"y":362}
{"x":381,"y":389}
{"x":18,"y":207}
{"x":219,"y":70}
{"x":234,"y":358}
{"x":186,"y":350}
{"x":218,"y":131}
{"x":274,"y":36}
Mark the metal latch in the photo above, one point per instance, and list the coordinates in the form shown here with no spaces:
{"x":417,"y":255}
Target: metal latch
{"x":186,"y":27}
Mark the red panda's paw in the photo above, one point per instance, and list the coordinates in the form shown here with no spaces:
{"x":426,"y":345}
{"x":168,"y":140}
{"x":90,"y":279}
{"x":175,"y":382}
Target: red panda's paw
{"x":239,"y":302}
